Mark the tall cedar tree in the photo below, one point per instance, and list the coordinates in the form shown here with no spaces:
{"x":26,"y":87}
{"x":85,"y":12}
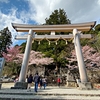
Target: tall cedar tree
{"x":57,"y":52}
{"x":5,"y":40}
{"x":57,"y":17}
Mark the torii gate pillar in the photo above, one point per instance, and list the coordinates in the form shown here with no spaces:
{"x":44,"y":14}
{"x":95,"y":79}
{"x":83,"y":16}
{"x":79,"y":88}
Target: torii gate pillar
{"x":83,"y":84}
{"x":21,"y":83}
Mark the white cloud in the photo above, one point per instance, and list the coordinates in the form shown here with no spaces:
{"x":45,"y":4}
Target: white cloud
{"x":4,"y":1}
{"x":6,"y":20}
{"x":39,"y":10}
{"x":99,"y":2}
{"x":77,"y":11}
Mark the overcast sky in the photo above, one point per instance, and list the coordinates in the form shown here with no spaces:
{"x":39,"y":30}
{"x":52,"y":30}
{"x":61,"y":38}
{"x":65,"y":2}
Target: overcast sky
{"x":35,"y":11}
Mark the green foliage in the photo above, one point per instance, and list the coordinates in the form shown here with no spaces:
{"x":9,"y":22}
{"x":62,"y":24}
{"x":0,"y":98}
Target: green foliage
{"x":84,"y":42}
{"x":5,"y":40}
{"x":35,"y":46}
{"x":96,"y":42}
{"x":23,"y":45}
{"x":88,"y":41}
{"x":11,"y":68}
{"x":57,"y":17}
{"x":43,"y":46}
{"x":97,"y":28}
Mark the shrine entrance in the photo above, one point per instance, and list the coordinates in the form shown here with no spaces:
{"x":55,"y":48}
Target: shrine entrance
{"x":76,"y":29}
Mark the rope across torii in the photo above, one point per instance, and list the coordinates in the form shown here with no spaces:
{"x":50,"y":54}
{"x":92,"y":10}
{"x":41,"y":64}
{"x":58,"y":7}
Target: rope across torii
{"x":75,"y":28}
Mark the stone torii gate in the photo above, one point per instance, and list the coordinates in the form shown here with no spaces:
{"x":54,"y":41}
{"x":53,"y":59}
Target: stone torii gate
{"x":75,"y":28}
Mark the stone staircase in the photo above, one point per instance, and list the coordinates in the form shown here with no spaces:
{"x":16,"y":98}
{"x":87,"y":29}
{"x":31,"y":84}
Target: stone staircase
{"x":50,"y":93}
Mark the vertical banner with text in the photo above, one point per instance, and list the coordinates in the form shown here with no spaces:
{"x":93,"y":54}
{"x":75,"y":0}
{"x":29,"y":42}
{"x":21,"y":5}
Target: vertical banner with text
{"x":2,"y":62}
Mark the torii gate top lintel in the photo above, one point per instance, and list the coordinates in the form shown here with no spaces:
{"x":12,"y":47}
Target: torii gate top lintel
{"x":57,"y":28}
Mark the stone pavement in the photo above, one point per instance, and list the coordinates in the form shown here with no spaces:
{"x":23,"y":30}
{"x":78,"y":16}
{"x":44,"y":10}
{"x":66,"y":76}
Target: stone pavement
{"x":50,"y":93}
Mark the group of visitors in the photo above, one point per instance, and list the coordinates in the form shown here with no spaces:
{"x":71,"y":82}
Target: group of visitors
{"x":38,"y":82}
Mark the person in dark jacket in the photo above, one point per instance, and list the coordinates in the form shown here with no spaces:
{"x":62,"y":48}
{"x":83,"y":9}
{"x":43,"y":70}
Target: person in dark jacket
{"x":36,"y":81}
{"x":29,"y":81}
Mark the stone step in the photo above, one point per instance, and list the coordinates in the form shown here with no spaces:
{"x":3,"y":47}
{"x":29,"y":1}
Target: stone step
{"x":46,"y":97}
{"x":50,"y":93}
{"x":28,"y":93}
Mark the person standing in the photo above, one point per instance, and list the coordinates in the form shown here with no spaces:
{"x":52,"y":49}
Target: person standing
{"x":41,"y":83}
{"x":44,"y":82}
{"x":26,"y":80}
{"x":58,"y":81}
{"x":36,"y":81}
{"x":29,"y":81}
